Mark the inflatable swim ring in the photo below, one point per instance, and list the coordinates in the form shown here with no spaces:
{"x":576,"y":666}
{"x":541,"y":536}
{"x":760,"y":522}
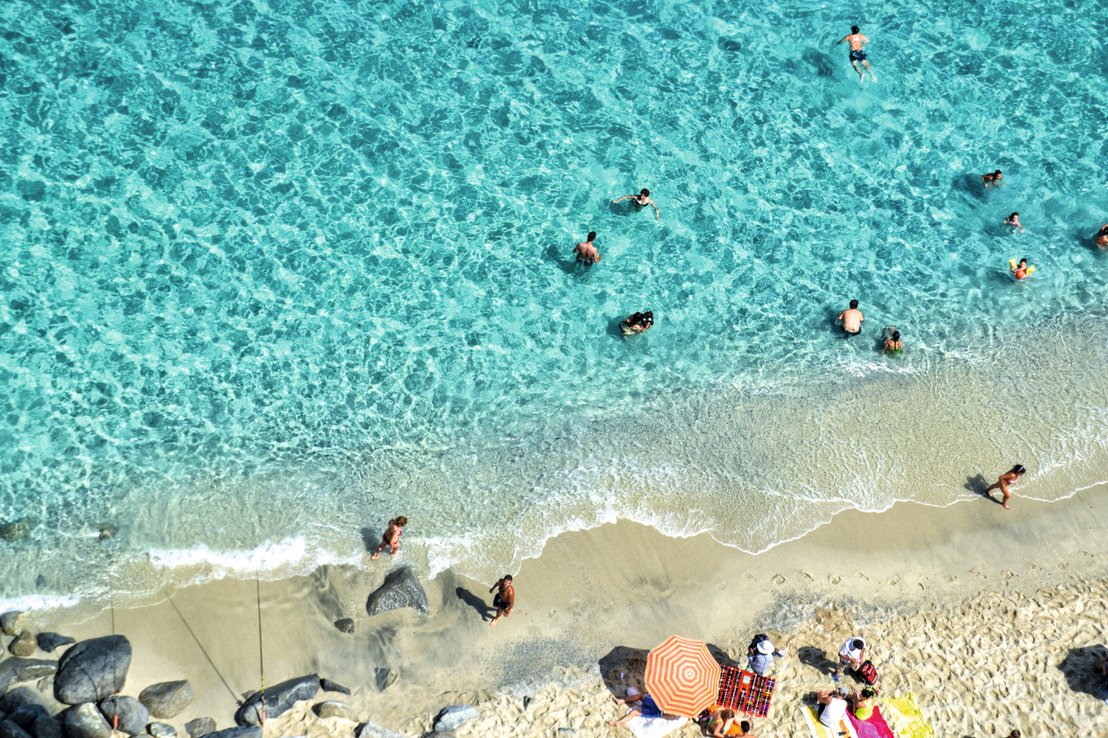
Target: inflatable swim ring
{"x":1012,"y":263}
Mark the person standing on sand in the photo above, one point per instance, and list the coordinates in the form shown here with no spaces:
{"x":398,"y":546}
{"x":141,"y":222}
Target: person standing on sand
{"x":1007,"y":478}
{"x":505,"y":598}
{"x":391,"y":537}
{"x":857,"y":53}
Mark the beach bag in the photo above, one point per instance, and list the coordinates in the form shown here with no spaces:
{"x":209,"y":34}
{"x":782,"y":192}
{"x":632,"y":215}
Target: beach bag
{"x":867,"y":672}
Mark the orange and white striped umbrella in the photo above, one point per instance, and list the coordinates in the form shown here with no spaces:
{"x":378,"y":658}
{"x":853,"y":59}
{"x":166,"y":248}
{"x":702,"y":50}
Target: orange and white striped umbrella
{"x":682,"y":676}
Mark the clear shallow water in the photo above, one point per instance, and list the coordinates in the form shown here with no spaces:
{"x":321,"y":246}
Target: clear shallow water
{"x":273,"y":273}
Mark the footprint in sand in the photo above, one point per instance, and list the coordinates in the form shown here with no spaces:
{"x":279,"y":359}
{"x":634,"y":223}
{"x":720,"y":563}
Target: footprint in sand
{"x":1008,"y":574}
{"x":808,"y":576}
{"x":778,"y":579}
{"x":834,"y":579}
{"x":894,"y":581}
{"x":952,"y":578}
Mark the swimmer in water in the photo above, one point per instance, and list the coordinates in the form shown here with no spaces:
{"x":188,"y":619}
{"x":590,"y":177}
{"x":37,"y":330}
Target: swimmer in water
{"x":1013,"y":220}
{"x":857,"y":53}
{"x":1007,"y":478}
{"x":1101,"y":237}
{"x":996,"y":179}
{"x":637,"y":323}
{"x":641,"y":200}
{"x":1019,"y":271}
{"x":851,"y":318}
{"x":893,"y":345}
{"x":586,"y":252}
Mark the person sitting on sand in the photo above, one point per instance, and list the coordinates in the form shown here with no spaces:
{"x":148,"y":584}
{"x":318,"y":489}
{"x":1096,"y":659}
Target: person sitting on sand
{"x":893,"y":345}
{"x":852,"y":654}
{"x":996,"y":179}
{"x":636,"y":323}
{"x":1007,"y":478}
{"x":857,"y":53}
{"x":391,"y":537}
{"x":832,"y":708}
{"x":1013,"y":221}
{"x":1101,"y":237}
{"x":851,"y":318}
{"x":760,"y":655}
{"x":505,"y":598}
{"x":586,"y":252}
{"x":862,"y":704}
{"x":724,"y":723}
{"x":640,"y":201}
{"x":647,"y":708}
{"x":1020,"y":270}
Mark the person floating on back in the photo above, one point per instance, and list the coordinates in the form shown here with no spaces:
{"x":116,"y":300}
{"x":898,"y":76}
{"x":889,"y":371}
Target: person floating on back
{"x":640,"y":200}
{"x":505,"y":598}
{"x":893,"y":345}
{"x":858,"y":54}
{"x":1013,"y":221}
{"x":586,"y":252}
{"x":851,"y":318}
{"x":636,"y":323}
{"x":391,"y":537}
{"x":1020,"y":270}
{"x":1007,"y":478}
{"x":996,"y":179}
{"x":1101,"y":237}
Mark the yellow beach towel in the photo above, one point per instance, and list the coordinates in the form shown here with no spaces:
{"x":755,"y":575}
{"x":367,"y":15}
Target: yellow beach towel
{"x":818,"y":730}
{"x":906,"y":718}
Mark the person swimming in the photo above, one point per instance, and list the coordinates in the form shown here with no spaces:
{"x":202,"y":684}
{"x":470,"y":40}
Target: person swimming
{"x":857,"y":53}
{"x":1101,"y":237}
{"x":1020,"y":270}
{"x":586,"y":252}
{"x":893,"y":345}
{"x":1013,"y":220}
{"x":640,"y":200}
{"x":636,"y":323}
{"x":996,"y":179}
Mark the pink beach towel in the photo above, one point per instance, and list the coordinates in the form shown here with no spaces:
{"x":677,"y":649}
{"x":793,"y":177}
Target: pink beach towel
{"x":874,"y":727}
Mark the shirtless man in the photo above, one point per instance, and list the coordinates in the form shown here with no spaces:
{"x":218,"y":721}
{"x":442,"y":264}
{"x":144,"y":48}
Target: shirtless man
{"x":586,"y":252}
{"x":641,"y":200}
{"x":851,"y":318}
{"x":996,"y":179}
{"x":505,"y":598}
{"x":857,"y":54}
{"x":1007,"y":478}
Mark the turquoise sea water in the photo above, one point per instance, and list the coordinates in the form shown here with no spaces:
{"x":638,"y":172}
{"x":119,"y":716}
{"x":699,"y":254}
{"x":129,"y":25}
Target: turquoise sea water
{"x":275,"y":272}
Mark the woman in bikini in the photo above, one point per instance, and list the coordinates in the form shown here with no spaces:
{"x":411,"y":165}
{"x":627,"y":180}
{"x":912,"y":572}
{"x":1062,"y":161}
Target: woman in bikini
{"x":641,"y":200}
{"x":391,"y":537}
{"x":1007,"y":478}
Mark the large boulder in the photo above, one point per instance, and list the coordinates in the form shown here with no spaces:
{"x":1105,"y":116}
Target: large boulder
{"x":92,"y":670}
{"x":23,"y":645}
{"x":167,"y":699}
{"x":85,"y":721}
{"x":401,"y":589}
{"x":20,"y":696}
{"x":451,"y":718}
{"x":200,"y":727}
{"x":11,"y":729}
{"x":331,"y":709}
{"x":13,"y":671}
{"x":241,"y":732}
{"x":384,"y":678}
{"x":328,"y":686}
{"x":125,"y":714}
{"x":25,"y":715}
{"x":279,"y":699}
{"x":11,"y":622}
{"x":48,"y":728}
{"x":48,"y":642}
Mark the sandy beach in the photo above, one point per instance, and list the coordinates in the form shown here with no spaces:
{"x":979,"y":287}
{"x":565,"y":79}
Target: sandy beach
{"x":991,"y":618}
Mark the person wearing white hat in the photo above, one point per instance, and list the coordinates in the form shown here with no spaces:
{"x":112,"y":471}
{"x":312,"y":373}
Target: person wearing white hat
{"x":760,"y":656}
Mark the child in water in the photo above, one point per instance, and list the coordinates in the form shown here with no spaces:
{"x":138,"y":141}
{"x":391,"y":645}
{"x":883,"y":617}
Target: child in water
{"x":1021,"y":270}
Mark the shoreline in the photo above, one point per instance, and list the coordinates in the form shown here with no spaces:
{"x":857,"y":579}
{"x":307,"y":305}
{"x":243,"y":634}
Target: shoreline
{"x":622,"y":585}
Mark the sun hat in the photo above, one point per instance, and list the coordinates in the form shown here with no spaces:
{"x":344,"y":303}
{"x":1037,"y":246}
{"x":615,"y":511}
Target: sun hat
{"x":765,"y":647}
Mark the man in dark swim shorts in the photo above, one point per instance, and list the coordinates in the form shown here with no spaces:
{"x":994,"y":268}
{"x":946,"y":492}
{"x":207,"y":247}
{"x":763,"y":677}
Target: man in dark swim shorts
{"x":857,"y":53}
{"x":505,"y":598}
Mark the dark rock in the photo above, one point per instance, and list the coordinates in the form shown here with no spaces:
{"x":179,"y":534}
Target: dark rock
{"x":11,"y":622}
{"x":24,"y":670}
{"x":49,"y":642}
{"x":331,"y":709}
{"x":23,"y":645}
{"x":47,"y":728}
{"x":328,"y":686}
{"x":10,"y":729}
{"x":345,"y":625}
{"x":241,"y":732}
{"x":373,"y":730}
{"x":16,"y":530}
{"x":401,"y":589}
{"x":384,"y":678}
{"x":125,"y":714}
{"x":25,"y":715}
{"x":161,"y":730}
{"x":107,"y":531}
{"x":200,"y":727}
{"x":450,"y":718}
{"x":92,"y":670}
{"x":21,"y":696}
{"x":167,"y":699}
{"x":85,"y":721}
{"x":278,"y":700}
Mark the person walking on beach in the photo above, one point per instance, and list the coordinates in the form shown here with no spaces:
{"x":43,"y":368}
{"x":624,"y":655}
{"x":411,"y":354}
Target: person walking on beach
{"x":1007,"y":478}
{"x":586,"y":252}
{"x":391,"y":537}
{"x":505,"y":598}
{"x":996,"y":179}
{"x":857,"y":53}
{"x":851,"y":318}
{"x":640,"y":201}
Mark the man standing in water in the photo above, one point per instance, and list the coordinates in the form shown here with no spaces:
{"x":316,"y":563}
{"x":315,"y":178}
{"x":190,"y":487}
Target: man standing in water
{"x":505,"y":598}
{"x":586,"y":252}
{"x":857,"y":53}
{"x":851,"y":318}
